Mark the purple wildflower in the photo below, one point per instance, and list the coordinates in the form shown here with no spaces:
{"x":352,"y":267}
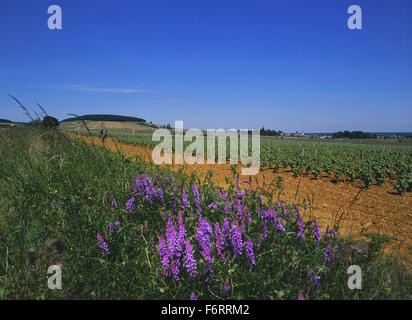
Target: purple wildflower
{"x":223,"y":195}
{"x":225,"y":231}
{"x":280,"y":227}
{"x":261,"y":199}
{"x":193,"y":296}
{"x":185,"y":202}
{"x":209,"y":272}
{"x":239,"y":207}
{"x":272,"y":214}
{"x":149,"y":194}
{"x":249,"y":253}
{"x":175,"y":269}
{"x":182,"y":233}
{"x":161,"y":195}
{"x":262,"y":213}
{"x":249,"y":217}
{"x":317,"y":233}
{"x":213,"y":205}
{"x":227,"y":208}
{"x":139,"y":185}
{"x":171,"y":236}
{"x":102,"y":243}
{"x":219,"y":242}
{"x":241,"y":194}
{"x":197,"y":196}
{"x":203,"y":233}
{"x":164,"y":253}
{"x":283,"y":209}
{"x":195,"y":192}
{"x":130,"y":206}
{"x":236,"y":238}
{"x":314,"y":279}
{"x":301,"y":230}
{"x":111,"y":227}
{"x":190,"y":262}
{"x":329,"y":254}
{"x":133,"y":189}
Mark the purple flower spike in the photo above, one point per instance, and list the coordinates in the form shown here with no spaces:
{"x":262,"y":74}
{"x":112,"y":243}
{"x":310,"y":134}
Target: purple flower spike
{"x":197,"y":197}
{"x":164,"y":253}
{"x":249,"y":253}
{"x":329,"y":254}
{"x":195,"y":192}
{"x":133,"y":189}
{"x":190,"y":262}
{"x":317,"y":233}
{"x":301,"y":230}
{"x":182,"y":233}
{"x":280,"y":227}
{"x":225,"y":231}
{"x":102,"y":244}
{"x":203,"y":233}
{"x":219,"y":242}
{"x":239,"y":207}
{"x":130,"y":206}
{"x":236,"y":238}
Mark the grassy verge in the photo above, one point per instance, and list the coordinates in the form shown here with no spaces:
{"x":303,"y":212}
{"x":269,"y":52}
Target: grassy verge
{"x":123,"y":229}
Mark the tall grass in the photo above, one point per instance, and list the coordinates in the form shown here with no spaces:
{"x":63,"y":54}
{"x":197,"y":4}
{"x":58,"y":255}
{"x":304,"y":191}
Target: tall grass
{"x":56,"y":198}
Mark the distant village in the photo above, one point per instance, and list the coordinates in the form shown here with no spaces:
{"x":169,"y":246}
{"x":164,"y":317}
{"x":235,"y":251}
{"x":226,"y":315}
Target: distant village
{"x":332,"y":135}
{"x":340,"y":134}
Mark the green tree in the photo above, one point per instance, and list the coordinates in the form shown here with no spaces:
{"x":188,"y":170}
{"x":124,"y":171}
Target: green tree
{"x":50,"y":122}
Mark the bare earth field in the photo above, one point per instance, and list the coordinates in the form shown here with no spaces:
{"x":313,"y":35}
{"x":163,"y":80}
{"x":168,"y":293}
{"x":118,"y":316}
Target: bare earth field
{"x":378,"y":209}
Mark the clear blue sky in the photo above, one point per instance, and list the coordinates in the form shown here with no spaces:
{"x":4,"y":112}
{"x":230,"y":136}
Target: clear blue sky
{"x":288,"y":65}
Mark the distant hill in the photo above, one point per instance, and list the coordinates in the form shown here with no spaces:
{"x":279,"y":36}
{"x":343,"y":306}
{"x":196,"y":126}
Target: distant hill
{"x":5,"y":121}
{"x":111,"y":126}
{"x":105,"y":117}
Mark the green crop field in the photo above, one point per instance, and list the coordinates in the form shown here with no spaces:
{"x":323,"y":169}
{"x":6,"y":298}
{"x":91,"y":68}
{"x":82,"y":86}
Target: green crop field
{"x":347,"y":161}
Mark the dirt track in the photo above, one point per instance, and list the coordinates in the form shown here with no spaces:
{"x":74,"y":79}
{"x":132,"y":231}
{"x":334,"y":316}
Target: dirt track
{"x":362,"y":211}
